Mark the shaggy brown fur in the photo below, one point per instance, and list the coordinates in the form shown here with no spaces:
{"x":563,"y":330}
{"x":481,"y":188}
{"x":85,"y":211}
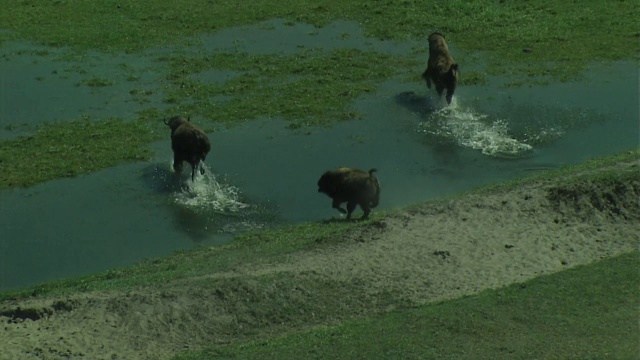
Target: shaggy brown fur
{"x":189,"y":143}
{"x":442,"y":69}
{"x":353,"y":186}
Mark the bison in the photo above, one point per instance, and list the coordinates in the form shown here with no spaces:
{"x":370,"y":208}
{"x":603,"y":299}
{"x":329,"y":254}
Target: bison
{"x":441,"y":69}
{"x":353,"y":186}
{"x":189,"y":143}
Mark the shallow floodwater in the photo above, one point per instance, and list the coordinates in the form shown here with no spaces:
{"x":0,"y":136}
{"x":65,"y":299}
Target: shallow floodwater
{"x":262,"y":174}
{"x":39,"y":84}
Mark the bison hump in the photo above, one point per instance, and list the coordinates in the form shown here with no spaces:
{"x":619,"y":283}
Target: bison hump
{"x":190,"y":140}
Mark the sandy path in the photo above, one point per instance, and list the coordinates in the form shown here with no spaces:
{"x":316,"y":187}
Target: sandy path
{"x":428,"y":253}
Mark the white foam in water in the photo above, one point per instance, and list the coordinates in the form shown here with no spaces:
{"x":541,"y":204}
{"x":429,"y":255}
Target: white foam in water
{"x":470,"y":129}
{"x":207,"y":193}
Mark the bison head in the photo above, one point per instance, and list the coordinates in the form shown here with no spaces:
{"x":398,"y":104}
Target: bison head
{"x":325,"y":184}
{"x":176,"y":121}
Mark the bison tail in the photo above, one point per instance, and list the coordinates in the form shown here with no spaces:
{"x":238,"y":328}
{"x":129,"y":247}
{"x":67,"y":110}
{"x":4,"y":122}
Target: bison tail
{"x":376,"y":199}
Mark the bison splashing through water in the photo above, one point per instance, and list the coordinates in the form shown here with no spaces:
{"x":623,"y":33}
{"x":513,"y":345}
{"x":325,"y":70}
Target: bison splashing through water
{"x":442,"y":69}
{"x":189,"y":143}
{"x":353,"y":186}
{"x":212,"y":205}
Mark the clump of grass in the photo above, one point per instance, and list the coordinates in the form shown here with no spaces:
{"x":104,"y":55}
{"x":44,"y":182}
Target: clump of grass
{"x":96,"y":82}
{"x":68,"y":149}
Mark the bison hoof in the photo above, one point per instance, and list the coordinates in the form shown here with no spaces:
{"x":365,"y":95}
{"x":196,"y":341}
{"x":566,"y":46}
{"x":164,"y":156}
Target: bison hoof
{"x":201,"y":171}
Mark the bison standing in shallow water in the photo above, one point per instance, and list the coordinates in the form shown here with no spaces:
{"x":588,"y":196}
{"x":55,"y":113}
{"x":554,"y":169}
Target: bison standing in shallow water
{"x":353,"y":186}
{"x":442,"y":69}
{"x":189,"y":143}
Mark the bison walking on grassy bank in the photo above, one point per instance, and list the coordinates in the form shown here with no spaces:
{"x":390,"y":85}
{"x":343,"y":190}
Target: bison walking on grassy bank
{"x":353,"y":186}
{"x":441,"y":69}
{"x":189,"y":143}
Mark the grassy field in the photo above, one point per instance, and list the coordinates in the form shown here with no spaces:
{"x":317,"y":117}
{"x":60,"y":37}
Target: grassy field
{"x":590,"y":312}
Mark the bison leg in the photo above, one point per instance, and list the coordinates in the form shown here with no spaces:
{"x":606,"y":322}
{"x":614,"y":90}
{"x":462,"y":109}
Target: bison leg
{"x":351,"y":206}
{"x":336,"y":205}
{"x":450,"y":92}
{"x":366,"y":210}
{"x":449,"y":97}
{"x":196,"y":166}
{"x":426,"y":76}
{"x":177,"y":164}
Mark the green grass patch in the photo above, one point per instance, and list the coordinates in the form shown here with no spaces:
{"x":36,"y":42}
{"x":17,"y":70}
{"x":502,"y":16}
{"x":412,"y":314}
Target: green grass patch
{"x":308,"y":88}
{"x":589,"y":312}
{"x":67,"y":149}
{"x":96,"y":82}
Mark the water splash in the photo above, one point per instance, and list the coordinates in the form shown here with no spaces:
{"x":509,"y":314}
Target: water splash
{"x":474,"y":130}
{"x":210,"y":205}
{"x":207,"y":193}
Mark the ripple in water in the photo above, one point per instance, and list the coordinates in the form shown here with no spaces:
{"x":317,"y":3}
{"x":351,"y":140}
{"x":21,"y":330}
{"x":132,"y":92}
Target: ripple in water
{"x":471,"y":129}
